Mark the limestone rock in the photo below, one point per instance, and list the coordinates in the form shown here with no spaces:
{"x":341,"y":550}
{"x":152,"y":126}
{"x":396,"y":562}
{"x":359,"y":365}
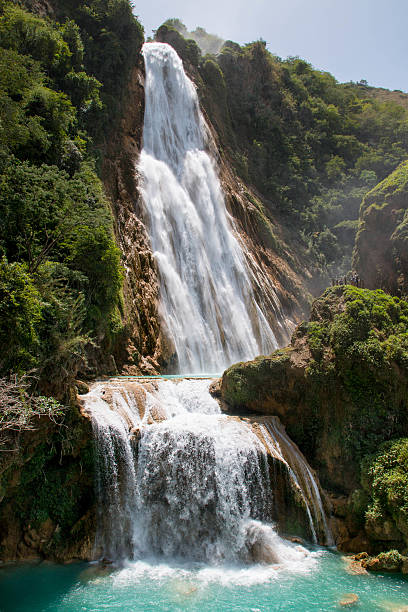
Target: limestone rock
{"x":348,"y":600}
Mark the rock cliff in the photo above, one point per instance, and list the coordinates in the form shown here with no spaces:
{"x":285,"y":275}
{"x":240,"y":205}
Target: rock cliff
{"x":47,"y":491}
{"x":381,"y":250}
{"x":340,"y":389}
{"x":140,"y":348}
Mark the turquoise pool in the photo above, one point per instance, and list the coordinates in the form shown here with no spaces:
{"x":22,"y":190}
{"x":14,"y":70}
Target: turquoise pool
{"x":321,"y":582}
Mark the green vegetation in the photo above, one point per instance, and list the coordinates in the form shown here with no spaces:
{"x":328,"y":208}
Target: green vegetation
{"x":381,"y":250}
{"x":341,"y":391}
{"x":60,"y":271}
{"x":310,"y":146}
{"x":208,"y":43}
{"x":341,"y":386}
{"x":62,"y":81}
{"x":385,"y":481}
{"x":363,"y":351}
{"x":47,"y":488}
{"x":188,"y":49}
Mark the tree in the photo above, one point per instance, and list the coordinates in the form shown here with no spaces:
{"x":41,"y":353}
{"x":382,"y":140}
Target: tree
{"x":20,"y":315}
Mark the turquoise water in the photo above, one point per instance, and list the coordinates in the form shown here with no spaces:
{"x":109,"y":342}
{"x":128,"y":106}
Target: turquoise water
{"x":318,"y":584}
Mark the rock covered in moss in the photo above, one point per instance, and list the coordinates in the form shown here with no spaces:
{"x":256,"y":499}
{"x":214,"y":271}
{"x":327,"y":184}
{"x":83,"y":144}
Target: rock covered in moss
{"x":384,"y":477}
{"x":391,"y":561}
{"x":47,"y":506}
{"x":381,"y":252}
{"x":341,"y":387}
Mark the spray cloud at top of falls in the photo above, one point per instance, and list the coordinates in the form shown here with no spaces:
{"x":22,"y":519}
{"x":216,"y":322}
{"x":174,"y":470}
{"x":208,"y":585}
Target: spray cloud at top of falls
{"x":207,"y":304}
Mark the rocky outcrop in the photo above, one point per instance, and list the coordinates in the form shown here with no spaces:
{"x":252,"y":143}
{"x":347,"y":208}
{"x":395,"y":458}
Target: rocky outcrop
{"x":140,"y":349}
{"x":47,"y":491}
{"x":381,"y":250}
{"x":340,"y":389}
{"x":391,"y":561}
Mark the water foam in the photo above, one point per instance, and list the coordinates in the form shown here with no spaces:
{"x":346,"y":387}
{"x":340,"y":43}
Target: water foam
{"x":191,"y":490}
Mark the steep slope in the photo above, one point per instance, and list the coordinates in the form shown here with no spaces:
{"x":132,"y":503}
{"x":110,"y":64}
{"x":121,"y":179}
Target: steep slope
{"x":268,"y":242}
{"x":381,"y":250}
{"x":309,"y":147}
{"x":47,"y":488}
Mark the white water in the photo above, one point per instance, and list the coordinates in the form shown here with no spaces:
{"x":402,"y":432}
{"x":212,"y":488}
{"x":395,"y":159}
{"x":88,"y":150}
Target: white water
{"x":302,"y":474}
{"x":208,"y":306}
{"x":177,"y":479}
{"x":281,"y":446}
{"x":194,"y":486}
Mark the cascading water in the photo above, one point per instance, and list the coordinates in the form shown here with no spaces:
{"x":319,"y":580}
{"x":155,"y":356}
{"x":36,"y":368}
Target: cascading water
{"x":207,"y":302}
{"x":280,"y":445}
{"x":116,"y":477}
{"x":178,"y":479}
{"x":200,"y":482}
{"x":175,"y":477}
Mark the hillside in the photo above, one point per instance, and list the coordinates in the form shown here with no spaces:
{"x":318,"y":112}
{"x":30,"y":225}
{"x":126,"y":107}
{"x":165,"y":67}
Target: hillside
{"x":309,"y":146}
{"x":381,"y":253}
{"x":298,"y":151}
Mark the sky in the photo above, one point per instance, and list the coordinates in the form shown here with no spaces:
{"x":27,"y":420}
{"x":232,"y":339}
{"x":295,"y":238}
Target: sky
{"x":352,"y":39}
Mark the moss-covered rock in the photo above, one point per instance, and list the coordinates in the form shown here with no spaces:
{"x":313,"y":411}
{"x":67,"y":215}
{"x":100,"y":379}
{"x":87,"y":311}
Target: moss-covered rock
{"x":384,"y":477}
{"x":390,"y":561}
{"x":187,"y":49}
{"x":341,"y":387}
{"x":341,"y":390}
{"x":47,"y":507}
{"x":381,"y":251}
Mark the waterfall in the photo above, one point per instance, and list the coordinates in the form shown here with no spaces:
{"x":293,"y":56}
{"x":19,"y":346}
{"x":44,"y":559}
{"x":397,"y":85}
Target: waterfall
{"x":115,"y":477}
{"x":208,"y":306}
{"x":200,"y":482}
{"x":281,"y":446}
{"x":176,"y":478}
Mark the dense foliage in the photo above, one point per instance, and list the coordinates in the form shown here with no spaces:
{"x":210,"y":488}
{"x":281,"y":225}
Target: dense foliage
{"x":385,"y":481}
{"x":311,"y":147}
{"x":60,"y":272}
{"x":208,"y":43}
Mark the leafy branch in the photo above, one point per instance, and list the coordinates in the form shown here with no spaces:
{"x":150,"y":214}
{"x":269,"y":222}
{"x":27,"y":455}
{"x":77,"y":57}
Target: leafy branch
{"x":19,"y":409}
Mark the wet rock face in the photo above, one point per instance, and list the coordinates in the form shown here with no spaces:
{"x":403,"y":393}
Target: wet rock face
{"x":337,"y":401}
{"x":47,"y":492}
{"x":142,"y":349}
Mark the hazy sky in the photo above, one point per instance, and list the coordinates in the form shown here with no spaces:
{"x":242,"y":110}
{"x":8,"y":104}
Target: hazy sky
{"x":352,"y":39}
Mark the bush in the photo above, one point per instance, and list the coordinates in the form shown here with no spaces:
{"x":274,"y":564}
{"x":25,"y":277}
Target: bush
{"x":20,"y":316}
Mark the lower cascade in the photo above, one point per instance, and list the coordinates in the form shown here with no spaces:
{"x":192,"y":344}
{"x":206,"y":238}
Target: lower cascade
{"x":177,"y":479}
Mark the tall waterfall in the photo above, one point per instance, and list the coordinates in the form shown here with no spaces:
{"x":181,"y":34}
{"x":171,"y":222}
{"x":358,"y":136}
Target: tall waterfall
{"x":175,"y":477}
{"x":207,"y":302}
